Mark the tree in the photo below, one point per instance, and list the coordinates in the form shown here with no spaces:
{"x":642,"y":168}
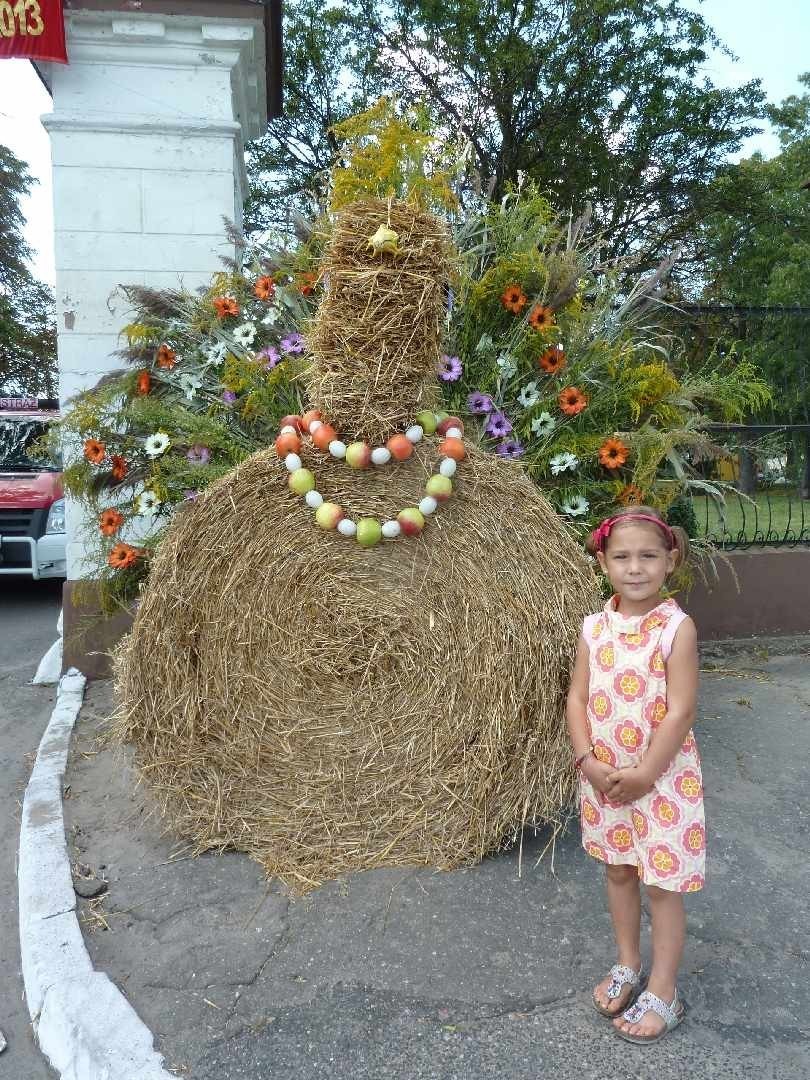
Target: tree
{"x":27,"y":331}
{"x":596,"y":101}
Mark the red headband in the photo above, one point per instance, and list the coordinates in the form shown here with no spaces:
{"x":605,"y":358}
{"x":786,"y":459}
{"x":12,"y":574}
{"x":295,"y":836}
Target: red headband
{"x":602,"y":532}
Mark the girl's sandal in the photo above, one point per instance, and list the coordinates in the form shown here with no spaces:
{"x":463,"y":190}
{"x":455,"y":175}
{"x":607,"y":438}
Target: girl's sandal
{"x":620,"y":976}
{"x":671,"y":1014}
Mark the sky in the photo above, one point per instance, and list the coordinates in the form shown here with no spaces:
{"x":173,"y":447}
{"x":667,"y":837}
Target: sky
{"x":770,"y":41}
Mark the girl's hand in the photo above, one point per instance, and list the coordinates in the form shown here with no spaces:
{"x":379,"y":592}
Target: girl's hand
{"x":627,"y":785}
{"x":598,"y":773}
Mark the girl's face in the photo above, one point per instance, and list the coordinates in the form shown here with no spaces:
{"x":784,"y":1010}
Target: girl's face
{"x":637,"y":560}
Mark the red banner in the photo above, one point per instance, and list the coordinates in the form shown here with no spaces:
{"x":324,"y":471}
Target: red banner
{"x":33,"y":30}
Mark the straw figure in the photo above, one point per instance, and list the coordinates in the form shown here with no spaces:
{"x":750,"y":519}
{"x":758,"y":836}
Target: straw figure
{"x":330,"y":699}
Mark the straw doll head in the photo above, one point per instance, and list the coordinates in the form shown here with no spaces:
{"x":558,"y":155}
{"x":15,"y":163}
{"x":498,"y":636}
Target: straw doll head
{"x":375,"y":340}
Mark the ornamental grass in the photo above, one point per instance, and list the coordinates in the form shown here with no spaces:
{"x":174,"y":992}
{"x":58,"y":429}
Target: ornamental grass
{"x":327,"y":708}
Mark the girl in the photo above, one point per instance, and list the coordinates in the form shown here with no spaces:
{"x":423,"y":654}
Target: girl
{"x":630,"y":712}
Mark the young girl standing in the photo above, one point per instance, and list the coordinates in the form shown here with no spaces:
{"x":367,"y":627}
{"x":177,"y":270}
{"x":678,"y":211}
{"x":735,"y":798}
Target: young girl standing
{"x":630,"y":712}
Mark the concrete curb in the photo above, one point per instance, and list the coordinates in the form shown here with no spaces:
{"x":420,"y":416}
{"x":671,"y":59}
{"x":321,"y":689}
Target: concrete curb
{"x":85,"y":1026}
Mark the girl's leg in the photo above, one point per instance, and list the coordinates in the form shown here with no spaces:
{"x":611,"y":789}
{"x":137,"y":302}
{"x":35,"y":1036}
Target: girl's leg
{"x":668,"y":920}
{"x":624,"y":902}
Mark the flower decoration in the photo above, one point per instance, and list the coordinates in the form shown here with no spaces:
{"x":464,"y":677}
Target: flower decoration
{"x":244,"y":334}
{"x":293,"y":344}
{"x":225,"y":307}
{"x":565,"y":462}
{"x":449,"y":368}
{"x":189,"y":495}
{"x":147,"y":503}
{"x":119,"y":467}
{"x":216,"y":354}
{"x":572,"y":401}
{"x":122,"y":556}
{"x":631,"y":495}
{"x":509,"y":448}
{"x":613,"y":453}
{"x":166,"y":357}
{"x":541,"y":318}
{"x":271,"y":356}
{"x":514,"y":299}
{"x":156,"y":444}
{"x":498,"y":425}
{"x":228,"y":396}
{"x":110,"y":521}
{"x":94,"y":451}
{"x":199,"y":455}
{"x":529,"y":395}
{"x":543,"y":424}
{"x":306,"y":283}
{"x":506,"y":365}
{"x":552,"y":360}
{"x":143,"y":384}
{"x":190,"y":384}
{"x":480,"y":404}
{"x":576,"y":506}
{"x":264,"y":288}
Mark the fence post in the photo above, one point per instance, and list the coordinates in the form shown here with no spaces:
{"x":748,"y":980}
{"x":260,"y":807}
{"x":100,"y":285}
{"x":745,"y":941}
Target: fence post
{"x":804,"y":485}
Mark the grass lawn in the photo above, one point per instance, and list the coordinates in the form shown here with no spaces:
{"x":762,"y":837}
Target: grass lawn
{"x":769,"y":514}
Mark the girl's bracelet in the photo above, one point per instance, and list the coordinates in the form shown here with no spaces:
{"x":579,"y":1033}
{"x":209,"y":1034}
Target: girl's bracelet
{"x":578,"y":761}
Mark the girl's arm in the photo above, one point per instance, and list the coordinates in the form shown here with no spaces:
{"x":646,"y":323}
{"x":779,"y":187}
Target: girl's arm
{"x":682,"y":685}
{"x":577,"y":703}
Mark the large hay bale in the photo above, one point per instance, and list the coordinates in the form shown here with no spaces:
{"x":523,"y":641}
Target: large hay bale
{"x":328,"y":708}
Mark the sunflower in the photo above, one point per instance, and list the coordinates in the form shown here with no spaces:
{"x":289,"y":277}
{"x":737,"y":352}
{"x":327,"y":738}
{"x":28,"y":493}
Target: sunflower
{"x":541,"y":318}
{"x":265,"y":288}
{"x":306,"y":283}
{"x":166,"y":357}
{"x":572,"y":401}
{"x":613,"y":453}
{"x":94,"y":451}
{"x":225,"y":306}
{"x":552,"y":360}
{"x":110,"y":521}
{"x":514,"y":299}
{"x":122,"y":556}
{"x":144,"y":382}
{"x":119,"y":467}
{"x":631,"y":495}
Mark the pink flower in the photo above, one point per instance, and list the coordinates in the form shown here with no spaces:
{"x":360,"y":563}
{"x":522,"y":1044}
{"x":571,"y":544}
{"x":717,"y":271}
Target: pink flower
{"x":591,"y":814}
{"x":605,"y":657}
{"x":602,"y":752}
{"x":634,"y":642}
{"x":693,"y":884}
{"x":658,"y":667}
{"x":655,"y":711}
{"x":689,"y":786}
{"x":641,"y":825}
{"x":596,"y":850}
{"x":629,"y":684}
{"x":694,"y":838}
{"x":663,"y":861}
{"x":620,"y":837}
{"x":629,"y":736}
{"x":666,"y":812}
{"x":599,"y":705}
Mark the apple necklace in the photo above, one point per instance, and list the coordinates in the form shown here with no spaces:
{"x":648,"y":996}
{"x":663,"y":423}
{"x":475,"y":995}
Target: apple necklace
{"x":369,"y":531}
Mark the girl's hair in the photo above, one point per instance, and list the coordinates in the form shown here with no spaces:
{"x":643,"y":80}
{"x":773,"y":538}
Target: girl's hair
{"x":598,"y":539}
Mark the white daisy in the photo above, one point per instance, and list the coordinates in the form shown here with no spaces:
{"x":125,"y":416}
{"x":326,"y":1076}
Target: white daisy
{"x":576,"y":506}
{"x":529,"y":395}
{"x":506,"y":366}
{"x":216,"y":354}
{"x":484,"y":343}
{"x":543,"y":424}
{"x":189,"y":384}
{"x":562,"y":462}
{"x":147,"y":503}
{"x":157,"y":444}
{"x":271,"y":318}
{"x":244,"y":334}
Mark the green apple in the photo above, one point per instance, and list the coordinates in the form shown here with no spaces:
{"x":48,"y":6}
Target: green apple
{"x":411,"y":520}
{"x":427,"y":421}
{"x":328,"y":515}
{"x":301,"y":481}
{"x":440,"y":487}
{"x":369,"y":532}
{"x":358,"y":455}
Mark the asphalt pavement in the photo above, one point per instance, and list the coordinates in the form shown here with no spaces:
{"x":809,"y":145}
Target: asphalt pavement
{"x":28,"y":614}
{"x":479,"y":973}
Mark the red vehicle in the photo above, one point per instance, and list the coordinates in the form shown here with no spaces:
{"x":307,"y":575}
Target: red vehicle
{"x":32,"y":506}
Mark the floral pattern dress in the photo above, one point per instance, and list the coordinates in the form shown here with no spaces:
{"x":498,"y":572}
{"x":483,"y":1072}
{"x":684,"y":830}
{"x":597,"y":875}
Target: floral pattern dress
{"x":663,"y":833}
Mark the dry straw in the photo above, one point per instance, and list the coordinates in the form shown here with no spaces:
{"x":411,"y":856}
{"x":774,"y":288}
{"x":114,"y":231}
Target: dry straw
{"x":327,"y":708}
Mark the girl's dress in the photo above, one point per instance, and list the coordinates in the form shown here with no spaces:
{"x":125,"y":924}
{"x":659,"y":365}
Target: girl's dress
{"x":663,"y":833}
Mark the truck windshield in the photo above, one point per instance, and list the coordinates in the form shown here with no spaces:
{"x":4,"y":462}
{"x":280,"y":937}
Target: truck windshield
{"x":17,"y":442}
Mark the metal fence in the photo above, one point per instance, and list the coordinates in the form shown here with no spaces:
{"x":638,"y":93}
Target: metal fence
{"x":764,"y":473}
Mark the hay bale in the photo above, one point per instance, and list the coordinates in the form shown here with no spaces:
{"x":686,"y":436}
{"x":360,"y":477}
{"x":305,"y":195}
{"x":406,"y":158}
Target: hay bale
{"x":328,"y":708}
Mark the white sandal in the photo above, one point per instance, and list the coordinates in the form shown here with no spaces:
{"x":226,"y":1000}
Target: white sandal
{"x":672,"y":1014}
{"x":620,"y":976}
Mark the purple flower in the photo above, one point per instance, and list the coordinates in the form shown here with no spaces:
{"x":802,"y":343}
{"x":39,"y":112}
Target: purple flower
{"x":270,"y":355}
{"x":293,"y":343}
{"x":449,"y":368}
{"x":228,"y":396}
{"x":190,"y":495}
{"x":510,"y":448}
{"x":199,"y":455}
{"x":480,"y":404}
{"x":498,"y":425}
